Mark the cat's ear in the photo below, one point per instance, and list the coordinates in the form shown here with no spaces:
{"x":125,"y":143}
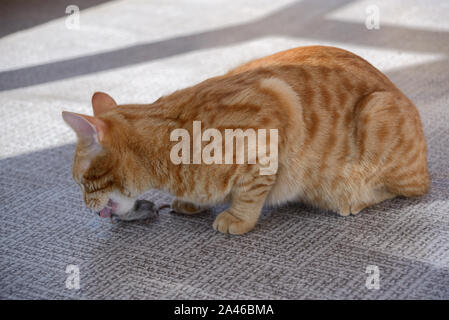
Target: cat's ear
{"x":102,"y":102}
{"x":87,"y":128}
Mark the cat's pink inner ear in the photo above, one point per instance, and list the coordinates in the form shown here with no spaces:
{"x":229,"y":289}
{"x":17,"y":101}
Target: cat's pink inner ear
{"x":86,"y":127}
{"x":102,"y":103}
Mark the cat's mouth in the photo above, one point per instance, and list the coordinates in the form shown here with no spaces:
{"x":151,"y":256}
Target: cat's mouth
{"x":109,"y":210}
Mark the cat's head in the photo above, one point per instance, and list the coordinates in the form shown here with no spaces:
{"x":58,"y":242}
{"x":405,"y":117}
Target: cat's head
{"x":96,"y":165}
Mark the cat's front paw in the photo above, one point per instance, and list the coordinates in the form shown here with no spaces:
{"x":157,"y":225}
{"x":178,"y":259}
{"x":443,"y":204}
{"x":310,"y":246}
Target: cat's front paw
{"x":227,"y":223}
{"x":186,"y":207}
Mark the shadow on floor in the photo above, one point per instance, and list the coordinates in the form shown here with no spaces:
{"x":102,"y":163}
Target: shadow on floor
{"x":303,"y":19}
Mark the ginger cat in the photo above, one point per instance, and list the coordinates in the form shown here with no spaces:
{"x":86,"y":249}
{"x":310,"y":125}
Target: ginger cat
{"x":347,"y":139}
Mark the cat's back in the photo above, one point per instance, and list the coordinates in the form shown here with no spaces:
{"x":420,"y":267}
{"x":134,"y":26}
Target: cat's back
{"x":310,"y":55}
{"x":321,"y":60}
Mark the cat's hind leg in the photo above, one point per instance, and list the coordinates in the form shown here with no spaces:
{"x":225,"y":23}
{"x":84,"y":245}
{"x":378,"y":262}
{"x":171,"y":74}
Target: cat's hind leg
{"x":390,"y":148}
{"x":379,"y":195}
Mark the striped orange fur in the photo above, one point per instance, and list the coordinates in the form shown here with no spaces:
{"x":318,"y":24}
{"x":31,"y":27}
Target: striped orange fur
{"x":348,"y":138}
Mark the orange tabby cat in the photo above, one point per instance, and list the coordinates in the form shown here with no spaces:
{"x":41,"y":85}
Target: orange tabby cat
{"x":348,"y":138}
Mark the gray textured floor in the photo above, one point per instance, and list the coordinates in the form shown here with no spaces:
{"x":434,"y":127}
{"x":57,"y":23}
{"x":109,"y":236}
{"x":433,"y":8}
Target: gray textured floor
{"x":138,"y":51}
